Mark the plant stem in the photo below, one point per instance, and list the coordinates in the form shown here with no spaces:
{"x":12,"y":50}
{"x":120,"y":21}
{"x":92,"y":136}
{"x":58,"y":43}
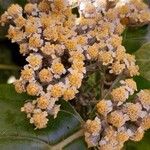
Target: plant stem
{"x":102,"y":85}
{"x":113,"y":85}
{"x":102,"y":81}
{"x":8,"y":67}
{"x":70,"y":139}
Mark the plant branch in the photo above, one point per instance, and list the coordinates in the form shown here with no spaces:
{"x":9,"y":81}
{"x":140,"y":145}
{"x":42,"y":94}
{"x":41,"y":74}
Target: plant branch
{"x":70,"y":139}
{"x":113,"y":85}
{"x":101,"y":83}
{"x":8,"y":67}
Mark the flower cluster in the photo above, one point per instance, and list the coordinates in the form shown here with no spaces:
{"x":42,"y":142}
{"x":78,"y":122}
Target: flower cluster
{"x":103,"y":25}
{"x":119,"y":120}
{"x":46,"y":34}
{"x":59,"y":46}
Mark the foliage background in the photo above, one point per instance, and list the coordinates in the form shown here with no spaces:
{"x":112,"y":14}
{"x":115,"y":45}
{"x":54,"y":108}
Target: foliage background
{"x":15,"y":130}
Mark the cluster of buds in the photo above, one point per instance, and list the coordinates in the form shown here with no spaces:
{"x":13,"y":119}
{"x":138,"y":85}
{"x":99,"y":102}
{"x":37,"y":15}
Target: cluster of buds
{"x":103,"y":25}
{"x":119,"y":120}
{"x":46,"y":34}
{"x":59,"y":46}
{"x":116,"y":120}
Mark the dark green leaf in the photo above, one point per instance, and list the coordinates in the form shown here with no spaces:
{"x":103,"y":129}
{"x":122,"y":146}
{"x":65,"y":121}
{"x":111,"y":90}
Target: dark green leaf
{"x":142,"y":83}
{"x":143,"y":60}
{"x":16,"y":132}
{"x":4,"y":4}
{"x":142,"y":145}
{"x":78,"y":144}
{"x":134,"y":38}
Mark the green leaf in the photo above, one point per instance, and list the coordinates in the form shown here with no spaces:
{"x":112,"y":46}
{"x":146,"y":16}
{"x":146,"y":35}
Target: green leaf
{"x":4,"y":4}
{"x":142,"y":83}
{"x":143,"y":60}
{"x":77,"y":144}
{"x":16,"y":132}
{"x":142,"y":145}
{"x":134,"y":38}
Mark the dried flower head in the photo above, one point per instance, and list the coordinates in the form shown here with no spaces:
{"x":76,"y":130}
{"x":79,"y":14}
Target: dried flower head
{"x":120,"y":121}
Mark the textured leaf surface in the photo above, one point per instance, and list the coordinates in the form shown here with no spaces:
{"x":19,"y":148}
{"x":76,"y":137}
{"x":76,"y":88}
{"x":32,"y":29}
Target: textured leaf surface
{"x":143,"y":60}
{"x":134,"y":38}
{"x":17,"y":133}
{"x":142,"y":83}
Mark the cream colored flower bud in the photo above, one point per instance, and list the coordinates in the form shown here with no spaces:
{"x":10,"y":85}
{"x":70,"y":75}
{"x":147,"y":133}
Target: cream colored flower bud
{"x":117,"y":119}
{"x":19,"y":86}
{"x":45,"y":75}
{"x":144,"y":97}
{"x":39,"y":119}
{"x":43,"y":102}
{"x":145,"y":124}
{"x":104,"y":107}
{"x":33,"y":89}
{"x":93,"y":126}
{"x":28,"y":108}
{"x":138,"y":135}
{"x":119,"y":94}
